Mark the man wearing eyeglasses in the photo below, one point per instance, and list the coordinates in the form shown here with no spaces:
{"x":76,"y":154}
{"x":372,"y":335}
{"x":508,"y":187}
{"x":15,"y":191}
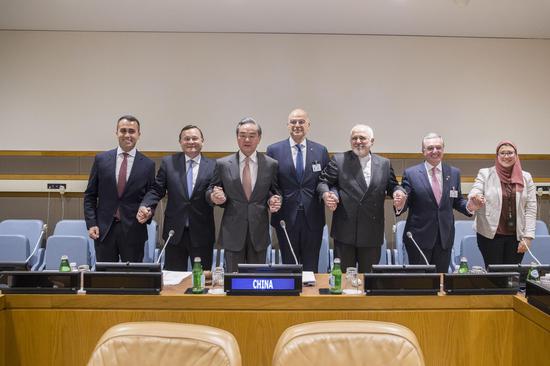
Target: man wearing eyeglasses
{"x":354,"y":185}
{"x":433,"y":191}
{"x":300,"y":163}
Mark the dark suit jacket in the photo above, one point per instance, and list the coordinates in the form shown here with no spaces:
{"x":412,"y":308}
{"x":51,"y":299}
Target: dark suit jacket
{"x":294,"y":191}
{"x":172,"y":177}
{"x":101,"y":198}
{"x":425,"y":217}
{"x":241,"y":215}
{"x":359,"y":217}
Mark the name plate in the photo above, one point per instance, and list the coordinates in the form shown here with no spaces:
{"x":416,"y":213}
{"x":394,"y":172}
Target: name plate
{"x":402,"y":283}
{"x":263,"y":284}
{"x":50,"y":282}
{"x":123,"y":283}
{"x":481,"y":283}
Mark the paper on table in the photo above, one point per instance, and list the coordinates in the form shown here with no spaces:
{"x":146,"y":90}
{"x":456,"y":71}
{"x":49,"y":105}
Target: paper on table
{"x":173,"y":277}
{"x":308,"y":278}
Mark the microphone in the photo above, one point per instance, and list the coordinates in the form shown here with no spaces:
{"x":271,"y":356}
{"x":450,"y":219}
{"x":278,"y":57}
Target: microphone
{"x":532,"y":255}
{"x":410,"y":236}
{"x":283,"y":226}
{"x":42,"y":232}
{"x":170,"y":235}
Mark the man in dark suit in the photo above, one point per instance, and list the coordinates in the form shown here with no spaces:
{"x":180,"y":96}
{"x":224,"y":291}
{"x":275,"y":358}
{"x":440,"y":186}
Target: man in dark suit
{"x":354,"y":185}
{"x":245,"y":185}
{"x":300,"y":163}
{"x":186,"y":176}
{"x":433,"y":191}
{"x":118,"y":181}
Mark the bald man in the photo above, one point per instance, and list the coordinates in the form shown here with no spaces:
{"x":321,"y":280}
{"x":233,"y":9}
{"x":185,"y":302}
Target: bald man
{"x":300,"y":163}
{"x":354,"y":186}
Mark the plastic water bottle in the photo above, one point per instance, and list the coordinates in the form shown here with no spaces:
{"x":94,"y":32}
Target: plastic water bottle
{"x":64,"y":266}
{"x":335,"y":280}
{"x":198,"y":276}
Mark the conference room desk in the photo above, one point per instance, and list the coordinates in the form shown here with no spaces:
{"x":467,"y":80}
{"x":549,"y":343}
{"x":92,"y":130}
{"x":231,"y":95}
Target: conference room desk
{"x":452,"y":330}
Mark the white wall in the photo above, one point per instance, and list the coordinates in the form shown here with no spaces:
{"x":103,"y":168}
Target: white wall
{"x":65,"y":90}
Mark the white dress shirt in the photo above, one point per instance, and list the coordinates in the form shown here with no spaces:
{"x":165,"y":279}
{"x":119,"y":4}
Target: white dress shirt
{"x":366,"y":163}
{"x":120,"y":158}
{"x":252,"y":163}
{"x":294,"y":150}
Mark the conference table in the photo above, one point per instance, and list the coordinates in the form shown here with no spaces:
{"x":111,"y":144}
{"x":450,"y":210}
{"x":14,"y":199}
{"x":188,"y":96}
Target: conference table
{"x":452,"y":330}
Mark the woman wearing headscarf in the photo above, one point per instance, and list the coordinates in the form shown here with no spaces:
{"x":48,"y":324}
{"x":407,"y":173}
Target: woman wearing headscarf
{"x":507,"y":207}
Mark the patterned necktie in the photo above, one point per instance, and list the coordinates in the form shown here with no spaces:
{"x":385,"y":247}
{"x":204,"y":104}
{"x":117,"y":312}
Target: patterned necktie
{"x":435,"y":186}
{"x":247,"y":179}
{"x":299,"y":163}
{"x":121,"y":182}
{"x":190,"y":178}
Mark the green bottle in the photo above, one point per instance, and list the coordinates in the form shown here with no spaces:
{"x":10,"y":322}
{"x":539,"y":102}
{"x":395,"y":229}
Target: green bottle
{"x":198,"y":276}
{"x":533,"y":274}
{"x":335,"y":281}
{"x":64,"y":266}
{"x":463,"y":268}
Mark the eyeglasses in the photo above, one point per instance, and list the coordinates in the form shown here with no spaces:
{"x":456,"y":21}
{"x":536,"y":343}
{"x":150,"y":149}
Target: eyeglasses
{"x":434,"y":147}
{"x":297,"y":122}
{"x":506,"y":153}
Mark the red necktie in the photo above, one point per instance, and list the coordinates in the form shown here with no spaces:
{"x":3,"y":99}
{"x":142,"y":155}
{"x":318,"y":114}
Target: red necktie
{"x":121,"y":183}
{"x":435,"y":186}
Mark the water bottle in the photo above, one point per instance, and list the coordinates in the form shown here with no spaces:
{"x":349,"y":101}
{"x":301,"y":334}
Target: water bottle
{"x":198,"y":276}
{"x":335,"y":280}
{"x":533,"y":274}
{"x":64,"y":266}
{"x":463,"y":268}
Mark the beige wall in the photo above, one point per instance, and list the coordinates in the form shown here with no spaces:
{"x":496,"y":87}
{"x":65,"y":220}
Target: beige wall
{"x":63,"y":90}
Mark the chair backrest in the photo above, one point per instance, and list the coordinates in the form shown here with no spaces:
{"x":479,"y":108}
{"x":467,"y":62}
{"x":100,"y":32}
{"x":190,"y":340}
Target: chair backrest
{"x":541,"y":228}
{"x":28,"y":228}
{"x":159,"y":343}
{"x":540,"y":247}
{"x":151,"y":242}
{"x":14,"y":248}
{"x":76,"y":228}
{"x":75,"y":247}
{"x":471,"y":251}
{"x":348,"y":342}
{"x":324,"y":253}
{"x":401,"y":256}
{"x":462,"y":228}
{"x":384,"y":253}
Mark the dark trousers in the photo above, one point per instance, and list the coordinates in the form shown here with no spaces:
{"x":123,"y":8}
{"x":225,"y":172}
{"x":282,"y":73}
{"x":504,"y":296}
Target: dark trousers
{"x":503,"y":249}
{"x":178,"y":254}
{"x":351,"y":255}
{"x":437,"y":255}
{"x":247,"y":255}
{"x":119,"y":246}
{"x":305,"y":242}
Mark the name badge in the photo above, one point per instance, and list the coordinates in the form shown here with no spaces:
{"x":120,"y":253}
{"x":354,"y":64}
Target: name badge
{"x":453,"y":193}
{"x":316,"y":166}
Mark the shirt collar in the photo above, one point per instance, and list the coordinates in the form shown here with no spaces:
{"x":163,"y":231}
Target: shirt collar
{"x":253,"y":157}
{"x":429,"y":166}
{"x":132,"y":152}
{"x":293,"y":143}
{"x":196,"y":159}
{"x":365,"y":159}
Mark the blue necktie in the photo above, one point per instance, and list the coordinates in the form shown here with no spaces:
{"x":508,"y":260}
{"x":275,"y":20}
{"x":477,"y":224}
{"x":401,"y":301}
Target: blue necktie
{"x":299,"y":163}
{"x":190,"y":179}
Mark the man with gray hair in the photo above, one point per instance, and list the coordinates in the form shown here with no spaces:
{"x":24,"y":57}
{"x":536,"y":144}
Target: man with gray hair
{"x":245,"y":185}
{"x":433,"y":191}
{"x":354,"y":186}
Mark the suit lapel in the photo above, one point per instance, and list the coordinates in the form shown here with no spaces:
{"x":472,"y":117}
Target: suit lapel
{"x":374,"y":172}
{"x":181,"y":168}
{"x":112,"y":168}
{"x":235,"y":174}
{"x":287,"y":150}
{"x":446,"y":176}
{"x":310,"y":155}
{"x":202,"y":172}
{"x":261,"y":169}
{"x":358,"y":173}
